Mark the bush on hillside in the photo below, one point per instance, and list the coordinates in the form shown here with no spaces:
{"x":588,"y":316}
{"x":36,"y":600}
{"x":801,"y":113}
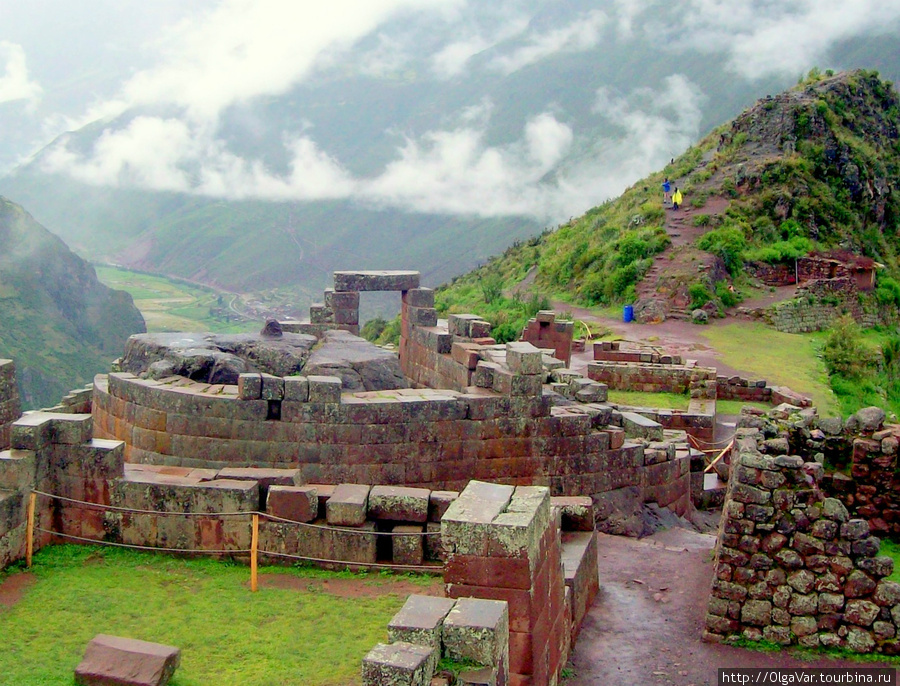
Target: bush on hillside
{"x":844,"y":353}
{"x":728,"y":243}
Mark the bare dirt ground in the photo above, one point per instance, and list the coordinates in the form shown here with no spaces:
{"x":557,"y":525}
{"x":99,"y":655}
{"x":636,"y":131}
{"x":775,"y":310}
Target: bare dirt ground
{"x":645,"y":626}
{"x":13,"y":587}
{"x":372,"y":587}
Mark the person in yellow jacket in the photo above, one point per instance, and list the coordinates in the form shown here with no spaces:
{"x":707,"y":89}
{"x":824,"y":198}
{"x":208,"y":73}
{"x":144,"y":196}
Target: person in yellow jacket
{"x":676,"y":199}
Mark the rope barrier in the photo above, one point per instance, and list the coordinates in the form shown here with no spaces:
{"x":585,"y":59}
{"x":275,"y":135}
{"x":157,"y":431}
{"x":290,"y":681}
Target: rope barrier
{"x":375,"y":565}
{"x":248,"y":513}
{"x":142,"y":547}
{"x":713,"y":445}
{"x":113,"y":508}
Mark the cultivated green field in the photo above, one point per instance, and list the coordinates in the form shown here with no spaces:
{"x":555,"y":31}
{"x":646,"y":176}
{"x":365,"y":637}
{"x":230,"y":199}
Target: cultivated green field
{"x":169,"y":305}
{"x":290,"y":632}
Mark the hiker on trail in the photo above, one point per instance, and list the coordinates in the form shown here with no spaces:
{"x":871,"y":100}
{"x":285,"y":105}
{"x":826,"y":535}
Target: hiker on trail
{"x":676,"y":198}
{"x":667,"y":190}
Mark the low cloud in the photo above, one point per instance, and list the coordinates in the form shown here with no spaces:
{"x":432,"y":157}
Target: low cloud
{"x":453,"y":170}
{"x":582,"y":34}
{"x":15,"y":84}
{"x":764,"y":38}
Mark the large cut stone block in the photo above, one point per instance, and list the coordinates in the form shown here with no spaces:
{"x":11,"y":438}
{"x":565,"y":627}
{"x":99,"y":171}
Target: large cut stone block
{"x":347,"y":506}
{"x":297,"y":503}
{"x":398,"y":664}
{"x":524,"y":358}
{"x":266,"y":478}
{"x":577,"y":512}
{"x":477,"y":629}
{"x":376,"y":281}
{"x":466,"y":523}
{"x":324,"y":389}
{"x":127,"y":661}
{"x":420,"y":620}
{"x":408,"y":549}
{"x":399,"y":503}
{"x":638,"y":426}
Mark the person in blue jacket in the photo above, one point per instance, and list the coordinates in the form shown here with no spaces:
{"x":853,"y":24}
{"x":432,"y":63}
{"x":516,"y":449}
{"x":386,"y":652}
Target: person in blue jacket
{"x":667,"y":189}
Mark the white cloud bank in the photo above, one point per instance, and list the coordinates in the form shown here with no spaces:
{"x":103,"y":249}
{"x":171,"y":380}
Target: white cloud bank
{"x":446,"y":171}
{"x":15,"y":84}
{"x":778,"y":37}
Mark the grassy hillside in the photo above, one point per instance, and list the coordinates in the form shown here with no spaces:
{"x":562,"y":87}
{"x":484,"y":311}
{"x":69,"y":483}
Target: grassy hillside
{"x":817,"y":167}
{"x":57,"y":321}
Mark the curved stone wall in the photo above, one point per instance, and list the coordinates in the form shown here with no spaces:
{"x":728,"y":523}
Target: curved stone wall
{"x":432,"y":438}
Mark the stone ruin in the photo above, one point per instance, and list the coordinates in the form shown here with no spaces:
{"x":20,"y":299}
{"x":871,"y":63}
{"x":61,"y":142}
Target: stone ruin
{"x":796,"y":558}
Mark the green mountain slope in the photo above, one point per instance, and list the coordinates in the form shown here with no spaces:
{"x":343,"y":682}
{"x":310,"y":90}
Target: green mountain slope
{"x":57,"y":321}
{"x":814,"y":168}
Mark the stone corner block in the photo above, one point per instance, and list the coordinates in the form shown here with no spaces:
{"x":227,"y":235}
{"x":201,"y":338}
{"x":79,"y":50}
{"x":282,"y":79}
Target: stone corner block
{"x":324,"y":389}
{"x":250,"y":386}
{"x":347,"y":505}
{"x":115,"y":660}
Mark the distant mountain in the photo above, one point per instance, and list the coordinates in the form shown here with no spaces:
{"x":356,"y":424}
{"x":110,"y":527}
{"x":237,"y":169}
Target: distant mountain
{"x":426,"y":145}
{"x":813,"y":168}
{"x":59,"y":324}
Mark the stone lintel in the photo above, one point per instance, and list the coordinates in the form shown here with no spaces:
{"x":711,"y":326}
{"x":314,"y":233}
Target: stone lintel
{"x":376,"y":280}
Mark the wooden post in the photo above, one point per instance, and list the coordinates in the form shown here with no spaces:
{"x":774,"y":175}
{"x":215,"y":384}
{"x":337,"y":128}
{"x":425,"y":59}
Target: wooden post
{"x":254,"y":545}
{"x":29,"y":529}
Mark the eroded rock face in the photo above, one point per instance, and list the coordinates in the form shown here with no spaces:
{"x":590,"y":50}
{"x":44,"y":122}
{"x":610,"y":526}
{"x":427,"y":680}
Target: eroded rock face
{"x":360,"y":365}
{"x":221,"y":358}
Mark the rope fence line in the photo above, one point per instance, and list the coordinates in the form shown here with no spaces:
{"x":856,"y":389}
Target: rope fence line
{"x":150,"y":548}
{"x":374,"y":565}
{"x":266,"y":515}
{"x":698,"y":443}
{"x":254,"y":550}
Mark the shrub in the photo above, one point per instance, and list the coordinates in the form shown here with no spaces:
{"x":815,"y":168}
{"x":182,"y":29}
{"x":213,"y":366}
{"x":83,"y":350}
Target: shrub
{"x":728,"y":243}
{"x":491,"y":287}
{"x":701,"y":220}
{"x":700,"y":295}
{"x":844,"y":353}
{"x":888,"y":291}
{"x":726,"y":293}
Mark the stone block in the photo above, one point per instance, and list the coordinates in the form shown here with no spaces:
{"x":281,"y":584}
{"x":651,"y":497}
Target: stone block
{"x":477,"y":629}
{"x":249,"y":386}
{"x":296,"y":388}
{"x":297,"y":503}
{"x":577,"y":512}
{"x":344,"y":300}
{"x":376,"y":280}
{"x":399,"y":503}
{"x":486,"y":676}
{"x":272,"y":387}
{"x":398,"y":664}
{"x":524,"y":358}
{"x":320,"y":314}
{"x":434,"y":547}
{"x":324,"y":389}
{"x":347,"y":506}
{"x":419,"y":297}
{"x":579,"y":557}
{"x":638,"y":426}
{"x":127,"y":661}
{"x":466,"y":522}
{"x":408,"y":549}
{"x":266,"y":478}
{"x":421,"y":316}
{"x":420,"y":621}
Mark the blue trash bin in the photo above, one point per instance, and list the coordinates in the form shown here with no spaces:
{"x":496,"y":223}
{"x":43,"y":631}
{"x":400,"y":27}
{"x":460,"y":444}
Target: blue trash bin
{"x":628,"y":314}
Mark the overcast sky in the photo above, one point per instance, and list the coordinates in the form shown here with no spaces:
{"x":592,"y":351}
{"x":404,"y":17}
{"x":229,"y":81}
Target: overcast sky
{"x":183,"y":64}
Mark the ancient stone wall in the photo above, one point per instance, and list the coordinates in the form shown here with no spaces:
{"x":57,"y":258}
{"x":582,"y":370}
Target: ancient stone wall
{"x":873,"y":490}
{"x":655,"y":378}
{"x":544,"y":331}
{"x":428,"y":438}
{"x":793,"y":567}
{"x":9,"y":400}
{"x":819,"y":303}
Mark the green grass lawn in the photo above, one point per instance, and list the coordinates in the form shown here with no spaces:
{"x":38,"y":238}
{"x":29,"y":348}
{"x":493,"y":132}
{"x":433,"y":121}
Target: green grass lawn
{"x":672,"y":401}
{"x":783,"y":359}
{"x":228,"y":635}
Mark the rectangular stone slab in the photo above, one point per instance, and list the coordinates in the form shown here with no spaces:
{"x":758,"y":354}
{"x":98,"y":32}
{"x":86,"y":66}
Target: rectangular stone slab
{"x":347,"y":506}
{"x":477,"y":629}
{"x":399,"y":503}
{"x":376,"y":281}
{"x":398,"y":664}
{"x":419,"y":621}
{"x":297,"y":503}
{"x":127,"y":661}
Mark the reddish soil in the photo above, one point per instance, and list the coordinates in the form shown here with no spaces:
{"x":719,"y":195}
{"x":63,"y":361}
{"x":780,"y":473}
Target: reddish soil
{"x":13,"y":587}
{"x":372,"y":587}
{"x":645,"y":626}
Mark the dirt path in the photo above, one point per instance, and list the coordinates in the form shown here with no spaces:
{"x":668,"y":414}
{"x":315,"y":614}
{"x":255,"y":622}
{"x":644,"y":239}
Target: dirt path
{"x":645,"y":625}
{"x":13,"y":587}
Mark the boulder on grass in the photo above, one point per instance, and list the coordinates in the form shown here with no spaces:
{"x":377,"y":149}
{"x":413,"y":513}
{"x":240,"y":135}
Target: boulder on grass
{"x":112,"y":660}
